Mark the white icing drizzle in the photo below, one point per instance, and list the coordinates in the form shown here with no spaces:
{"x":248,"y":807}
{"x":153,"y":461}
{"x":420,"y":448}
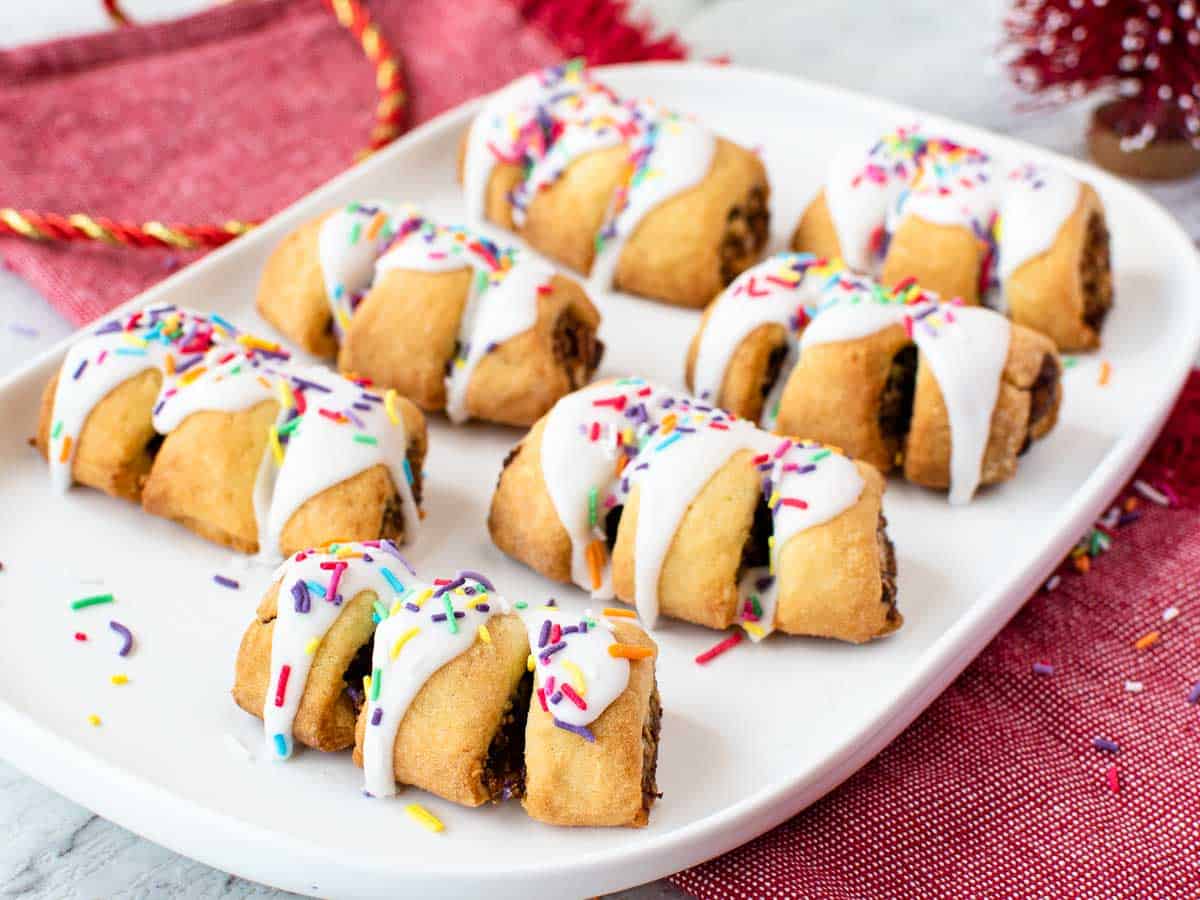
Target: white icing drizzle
{"x":548,"y":120}
{"x":348,"y":243}
{"x":314,"y":587}
{"x":208,"y":365}
{"x":668,"y":156}
{"x":1037,"y":203}
{"x":502,"y":301}
{"x":576,"y":678}
{"x":428,"y":626}
{"x":672,"y":446}
{"x":908,"y":173}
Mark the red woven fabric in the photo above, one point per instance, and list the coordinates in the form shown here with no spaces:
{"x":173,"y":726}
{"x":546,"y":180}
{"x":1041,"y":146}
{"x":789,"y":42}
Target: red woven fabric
{"x":997,"y":789}
{"x":237,"y":111}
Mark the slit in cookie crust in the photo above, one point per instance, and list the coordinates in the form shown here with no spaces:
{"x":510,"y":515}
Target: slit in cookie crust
{"x":746,"y":228}
{"x":896,"y":399}
{"x":576,"y":348}
{"x":651,"y":730}
{"x":1096,"y":273}
{"x":504,"y":769}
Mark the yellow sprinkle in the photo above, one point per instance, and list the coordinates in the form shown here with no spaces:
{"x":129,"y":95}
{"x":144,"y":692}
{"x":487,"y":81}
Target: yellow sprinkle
{"x":347,"y":552}
{"x":774,"y":501}
{"x":311,"y":647}
{"x":484,"y":634}
{"x":577,"y":679}
{"x":389,"y":404}
{"x":119,"y":679}
{"x":425,"y":595}
{"x":276,"y":447}
{"x":754,"y":628}
{"x":135,"y":341}
{"x":192,"y":374}
{"x":94,"y":720}
{"x":404,"y":639}
{"x":529,"y":663}
{"x":366,"y":684}
{"x":395,"y":608}
{"x":285,"y":394}
{"x":264,"y":382}
{"x":425,"y":817}
{"x":479,"y":598}
{"x":343,"y":320}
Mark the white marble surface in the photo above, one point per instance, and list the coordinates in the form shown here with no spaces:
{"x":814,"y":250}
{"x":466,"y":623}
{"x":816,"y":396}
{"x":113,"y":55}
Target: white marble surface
{"x":933,"y":54}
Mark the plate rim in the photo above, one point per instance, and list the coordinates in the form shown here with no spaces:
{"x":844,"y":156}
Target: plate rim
{"x":211,"y":836}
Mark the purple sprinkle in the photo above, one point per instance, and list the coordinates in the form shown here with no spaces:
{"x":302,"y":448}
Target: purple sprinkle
{"x":126,"y":637}
{"x":79,"y":371}
{"x":571,"y":629}
{"x":359,"y":423}
{"x":226,"y":582}
{"x":552,"y":602}
{"x":305,"y":383}
{"x":1040,"y":668}
{"x":1194,"y":693}
{"x":483,"y":607}
{"x":377,"y":716}
{"x":108,"y":327}
{"x":158,"y":407}
{"x":583,"y":627}
{"x":551,"y":650}
{"x":804,"y":470}
{"x":187,"y":364}
{"x":449,"y":586}
{"x":577,"y":729}
{"x":363,"y":407}
{"x":374,"y":398}
{"x":545,"y":634}
{"x":368,"y":558}
{"x":765,"y":582}
{"x":24,"y":330}
{"x":300,"y":592}
{"x":389,"y":546}
{"x":477,"y":577}
{"x":1104,"y":744}
{"x":439,"y":617}
{"x":412,"y":607}
{"x":556,"y":698}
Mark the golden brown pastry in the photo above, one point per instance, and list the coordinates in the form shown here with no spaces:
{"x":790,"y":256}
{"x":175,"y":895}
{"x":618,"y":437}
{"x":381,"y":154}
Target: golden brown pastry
{"x":447,"y":317}
{"x":217,"y":430}
{"x":895,"y":378}
{"x":1031,"y":240}
{"x":638,"y":493}
{"x":644,"y":200}
{"x":591,"y":745}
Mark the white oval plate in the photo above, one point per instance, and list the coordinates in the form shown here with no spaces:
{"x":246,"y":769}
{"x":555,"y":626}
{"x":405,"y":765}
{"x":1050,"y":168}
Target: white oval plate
{"x":748,"y":740}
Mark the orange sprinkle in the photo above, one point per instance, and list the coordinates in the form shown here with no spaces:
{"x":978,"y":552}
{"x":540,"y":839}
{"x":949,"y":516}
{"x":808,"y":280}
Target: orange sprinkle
{"x":668,"y":423}
{"x":1082,"y":564}
{"x":1105,"y":372}
{"x":622,"y":461}
{"x":264,"y":382}
{"x":170,"y":364}
{"x":1147,"y":640}
{"x":65,"y":454}
{"x":1131,"y":504}
{"x":595,"y":559}
{"x":376,"y":224}
{"x":192,"y":375}
{"x":629,"y":651}
{"x":620,"y":613}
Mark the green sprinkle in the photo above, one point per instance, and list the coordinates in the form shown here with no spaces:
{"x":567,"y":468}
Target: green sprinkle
{"x":57,"y":429}
{"x":1069,"y":362}
{"x":235,"y":369}
{"x":591,"y":622}
{"x":817,"y":457}
{"x":92,"y":601}
{"x":355,"y":232}
{"x":755,"y":605}
{"x":592,"y":508}
{"x":481,"y":280}
{"x":381,"y":611}
{"x":450,"y":620}
{"x":365,"y":439}
{"x":288,"y":427}
{"x":376,"y":680}
{"x":521,"y":604}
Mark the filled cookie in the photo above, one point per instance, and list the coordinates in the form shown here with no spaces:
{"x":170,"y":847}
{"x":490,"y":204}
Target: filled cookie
{"x":678,"y":508}
{"x":1029,"y":240}
{"x":949,"y":394}
{"x":644,"y":200}
{"x":218,"y":430}
{"x":447,"y":317}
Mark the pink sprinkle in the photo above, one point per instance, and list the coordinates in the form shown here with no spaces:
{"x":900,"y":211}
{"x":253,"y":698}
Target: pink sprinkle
{"x":1114,"y":781}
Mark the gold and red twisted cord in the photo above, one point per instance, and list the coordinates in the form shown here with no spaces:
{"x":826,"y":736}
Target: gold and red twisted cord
{"x":389,"y":124}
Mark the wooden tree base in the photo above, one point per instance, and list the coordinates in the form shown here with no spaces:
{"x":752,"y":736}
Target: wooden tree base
{"x":1160,"y":159}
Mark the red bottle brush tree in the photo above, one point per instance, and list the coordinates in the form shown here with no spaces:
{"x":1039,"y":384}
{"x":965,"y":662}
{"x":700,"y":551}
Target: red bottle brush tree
{"x":1144,"y":55}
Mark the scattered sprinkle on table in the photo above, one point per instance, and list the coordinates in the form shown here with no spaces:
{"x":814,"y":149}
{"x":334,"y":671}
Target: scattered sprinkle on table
{"x":1150,"y":493}
{"x":98,"y":599}
{"x":1105,"y":744}
{"x":1170,"y":613}
{"x":1147,"y":641}
{"x":226,"y":582}
{"x":119,"y":678}
{"x":427,"y":819}
{"x":1041,"y":668}
{"x":80,"y":636}
{"x":713,"y":652}
{"x":1105,"y":373}
{"x":94,"y":720}
{"x":1114,"y":782}
{"x":126,"y":637}
{"x":1134,"y":687}
{"x":1194,"y":693}
{"x":24,"y":330}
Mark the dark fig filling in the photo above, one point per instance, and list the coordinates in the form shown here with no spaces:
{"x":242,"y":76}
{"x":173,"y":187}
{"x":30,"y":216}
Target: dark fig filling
{"x":651,"y":730}
{"x":504,"y":770}
{"x":1096,"y":274}
{"x":746,"y":227}
{"x":612,"y":523}
{"x":391,"y":523}
{"x":896,"y":400}
{"x":887,"y":567}
{"x":1041,"y":396}
{"x":756,"y":552}
{"x":359,"y":668}
{"x":576,"y":349}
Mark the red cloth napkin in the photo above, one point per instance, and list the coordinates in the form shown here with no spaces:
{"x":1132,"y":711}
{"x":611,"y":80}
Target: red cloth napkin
{"x":998,"y":789}
{"x":237,"y":111}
